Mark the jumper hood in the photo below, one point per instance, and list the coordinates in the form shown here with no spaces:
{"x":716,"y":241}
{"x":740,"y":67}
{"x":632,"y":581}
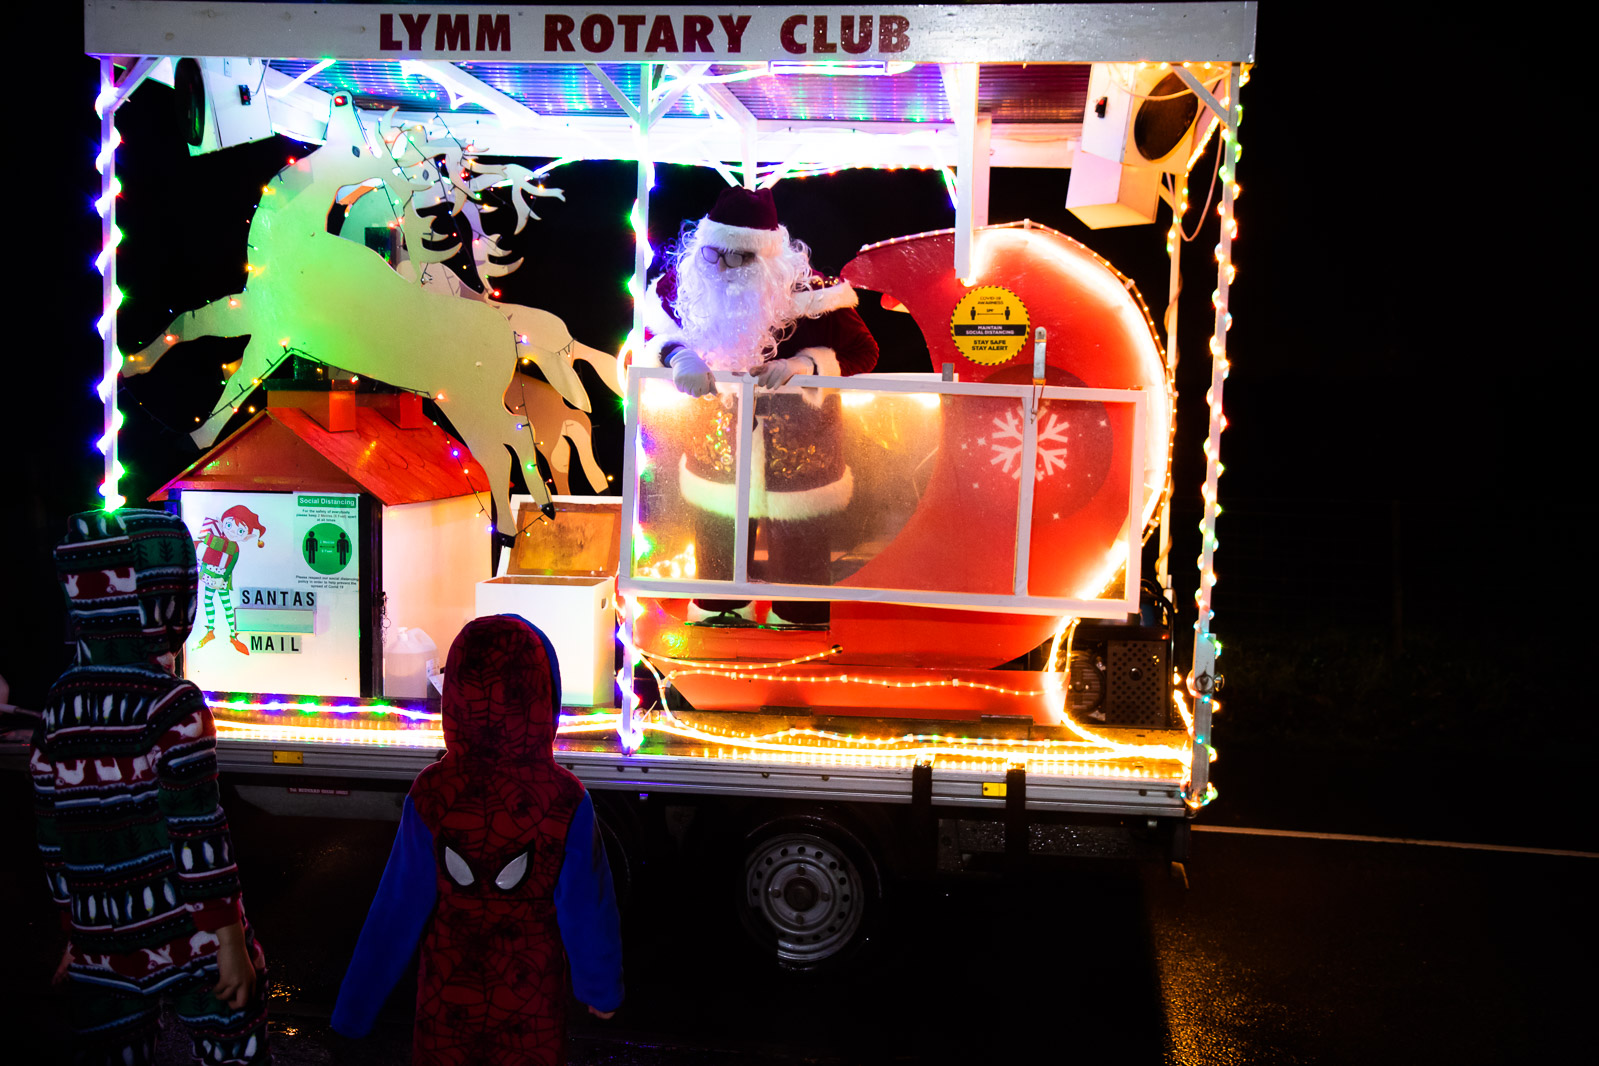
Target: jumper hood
{"x":129,"y":578}
{"x":502,"y":693}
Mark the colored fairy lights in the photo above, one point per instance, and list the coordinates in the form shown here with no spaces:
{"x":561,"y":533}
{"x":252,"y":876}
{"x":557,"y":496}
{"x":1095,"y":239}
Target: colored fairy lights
{"x":819,"y":745}
{"x":1104,"y":747}
{"x":350,"y":722}
{"x":391,"y":727}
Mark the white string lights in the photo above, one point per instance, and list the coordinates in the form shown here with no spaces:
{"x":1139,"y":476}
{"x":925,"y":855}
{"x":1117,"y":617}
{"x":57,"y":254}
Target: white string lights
{"x":110,"y":294}
{"x":1202,"y":680}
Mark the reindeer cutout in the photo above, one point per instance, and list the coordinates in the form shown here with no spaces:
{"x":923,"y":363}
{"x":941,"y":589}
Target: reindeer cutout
{"x":559,"y":431}
{"x":556,"y":429}
{"x":339,"y":302}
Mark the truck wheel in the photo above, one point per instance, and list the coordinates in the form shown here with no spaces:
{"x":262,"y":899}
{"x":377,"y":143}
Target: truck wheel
{"x":626,"y":848}
{"x":810,"y":892}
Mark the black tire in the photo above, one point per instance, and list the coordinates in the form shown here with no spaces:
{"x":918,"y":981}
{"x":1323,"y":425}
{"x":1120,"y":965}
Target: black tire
{"x":627,"y":845}
{"x":810,"y":893}
{"x":188,"y":84}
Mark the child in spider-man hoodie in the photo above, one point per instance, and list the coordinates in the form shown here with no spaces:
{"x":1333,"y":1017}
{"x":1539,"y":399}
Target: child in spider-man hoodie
{"x":497,"y":870}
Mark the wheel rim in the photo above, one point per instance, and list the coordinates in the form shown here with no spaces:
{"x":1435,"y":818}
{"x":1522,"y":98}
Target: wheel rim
{"x":807,"y":892}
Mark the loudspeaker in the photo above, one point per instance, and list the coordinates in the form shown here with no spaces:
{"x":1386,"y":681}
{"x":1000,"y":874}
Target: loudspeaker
{"x":220,"y":102}
{"x":1145,"y":116}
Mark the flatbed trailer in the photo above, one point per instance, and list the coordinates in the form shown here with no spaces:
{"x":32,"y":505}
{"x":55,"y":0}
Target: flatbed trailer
{"x":908,"y":788}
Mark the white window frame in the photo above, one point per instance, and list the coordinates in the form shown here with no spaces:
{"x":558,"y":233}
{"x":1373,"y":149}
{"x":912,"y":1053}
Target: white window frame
{"x":1018,"y":601}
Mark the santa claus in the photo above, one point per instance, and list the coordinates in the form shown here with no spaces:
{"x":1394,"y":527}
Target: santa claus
{"x":739,"y":295}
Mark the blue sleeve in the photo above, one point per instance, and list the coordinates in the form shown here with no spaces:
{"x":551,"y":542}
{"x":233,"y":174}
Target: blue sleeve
{"x":585,"y":907}
{"x":393,"y":927}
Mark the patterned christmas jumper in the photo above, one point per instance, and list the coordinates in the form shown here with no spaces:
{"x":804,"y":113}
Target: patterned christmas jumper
{"x":135,"y":844}
{"x":497,"y":870}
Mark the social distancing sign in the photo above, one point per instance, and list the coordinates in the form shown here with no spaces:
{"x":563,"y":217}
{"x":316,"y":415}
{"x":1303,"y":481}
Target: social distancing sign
{"x":989,"y":325}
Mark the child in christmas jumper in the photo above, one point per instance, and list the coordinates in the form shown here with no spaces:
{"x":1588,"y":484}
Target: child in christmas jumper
{"x":135,"y":844}
{"x":498,"y":872}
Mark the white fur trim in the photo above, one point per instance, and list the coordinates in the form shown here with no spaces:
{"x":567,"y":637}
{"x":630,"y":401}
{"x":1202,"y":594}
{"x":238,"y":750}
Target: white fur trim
{"x":740,"y":238}
{"x":826,"y":360}
{"x":662,"y":327}
{"x":717,"y":496}
{"x":810,"y":503}
{"x":650,"y":354}
{"x":813,"y":302}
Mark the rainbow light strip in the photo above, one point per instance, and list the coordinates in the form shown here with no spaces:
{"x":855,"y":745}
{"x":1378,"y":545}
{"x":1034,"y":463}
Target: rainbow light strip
{"x":110,"y":295}
{"x":793,"y":745}
{"x":373,"y":722}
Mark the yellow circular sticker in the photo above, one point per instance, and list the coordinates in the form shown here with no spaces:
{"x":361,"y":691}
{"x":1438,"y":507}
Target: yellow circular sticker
{"x":989,"y":325}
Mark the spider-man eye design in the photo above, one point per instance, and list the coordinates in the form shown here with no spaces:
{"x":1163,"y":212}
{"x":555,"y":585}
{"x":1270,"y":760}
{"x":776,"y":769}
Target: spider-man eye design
{"x":513,"y":873}
{"x":457,"y":868}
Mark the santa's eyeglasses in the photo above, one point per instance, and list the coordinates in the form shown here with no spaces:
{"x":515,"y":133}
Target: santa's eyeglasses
{"x":731,"y":260}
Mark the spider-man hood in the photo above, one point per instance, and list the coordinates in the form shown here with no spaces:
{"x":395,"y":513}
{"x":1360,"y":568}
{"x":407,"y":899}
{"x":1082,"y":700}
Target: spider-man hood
{"x":502,"y":694}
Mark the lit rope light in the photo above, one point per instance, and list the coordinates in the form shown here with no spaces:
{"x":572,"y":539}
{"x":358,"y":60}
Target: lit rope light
{"x":1179,"y":703}
{"x":911,"y":748}
{"x":752,"y":667}
{"x":1220,"y":367}
{"x":1150,"y":751}
{"x":858,"y":679}
{"x":797,"y":744}
{"x":111,"y":296}
{"x":1201,"y":682}
{"x":629,"y":727}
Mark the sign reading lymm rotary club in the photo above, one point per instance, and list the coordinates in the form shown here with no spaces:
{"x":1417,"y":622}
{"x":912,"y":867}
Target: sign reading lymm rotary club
{"x":989,"y":325}
{"x":643,"y":33}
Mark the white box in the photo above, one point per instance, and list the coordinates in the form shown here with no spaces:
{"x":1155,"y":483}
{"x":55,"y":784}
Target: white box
{"x":561,"y":576}
{"x":578,"y":614}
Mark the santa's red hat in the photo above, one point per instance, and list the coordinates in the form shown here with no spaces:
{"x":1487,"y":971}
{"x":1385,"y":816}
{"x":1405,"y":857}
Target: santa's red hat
{"x":743,"y":220}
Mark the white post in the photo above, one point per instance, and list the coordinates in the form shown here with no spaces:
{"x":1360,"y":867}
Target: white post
{"x":960,"y":89}
{"x":631,"y":733}
{"x":105,"y":105}
{"x":1202,"y":679}
{"x":642,"y":253}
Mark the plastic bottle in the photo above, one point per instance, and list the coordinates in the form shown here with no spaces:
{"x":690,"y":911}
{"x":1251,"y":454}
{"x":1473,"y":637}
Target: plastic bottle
{"x":409,"y":656}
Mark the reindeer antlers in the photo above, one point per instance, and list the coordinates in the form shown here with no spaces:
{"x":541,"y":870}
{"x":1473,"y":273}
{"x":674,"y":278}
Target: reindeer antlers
{"x":522,"y":183}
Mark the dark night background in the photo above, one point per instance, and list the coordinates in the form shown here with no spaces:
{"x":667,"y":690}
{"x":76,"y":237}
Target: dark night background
{"x":1403,"y":563}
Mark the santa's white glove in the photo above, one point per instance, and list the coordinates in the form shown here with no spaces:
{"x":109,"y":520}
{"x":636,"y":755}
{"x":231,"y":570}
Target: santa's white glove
{"x":777,"y":373}
{"x":690,"y":374}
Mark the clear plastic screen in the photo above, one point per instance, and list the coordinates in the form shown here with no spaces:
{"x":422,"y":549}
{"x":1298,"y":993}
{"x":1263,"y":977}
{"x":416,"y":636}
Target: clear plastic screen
{"x":849,"y":488}
{"x":1078,"y":547}
{"x":685,"y":465}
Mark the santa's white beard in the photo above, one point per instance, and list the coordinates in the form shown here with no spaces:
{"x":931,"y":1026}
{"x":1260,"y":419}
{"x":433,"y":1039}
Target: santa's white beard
{"x":736,"y":318}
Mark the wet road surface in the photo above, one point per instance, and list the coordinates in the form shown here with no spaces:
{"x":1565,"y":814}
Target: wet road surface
{"x":1280,"y":950}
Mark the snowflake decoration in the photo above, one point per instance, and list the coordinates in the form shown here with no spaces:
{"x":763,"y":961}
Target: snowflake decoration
{"x":1006,"y":444}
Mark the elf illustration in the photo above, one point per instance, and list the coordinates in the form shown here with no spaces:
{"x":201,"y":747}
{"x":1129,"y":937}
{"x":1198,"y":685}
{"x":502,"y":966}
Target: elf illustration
{"x":219,"y":551}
